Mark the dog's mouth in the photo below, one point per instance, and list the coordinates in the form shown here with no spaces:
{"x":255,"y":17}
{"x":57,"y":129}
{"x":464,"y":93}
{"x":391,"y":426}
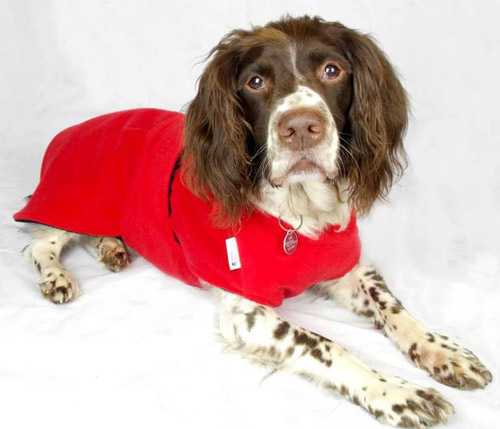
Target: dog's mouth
{"x":304,"y":166}
{"x":305,"y":169}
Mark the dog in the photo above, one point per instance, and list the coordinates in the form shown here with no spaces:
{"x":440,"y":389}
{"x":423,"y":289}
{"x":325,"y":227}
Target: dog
{"x":297,"y":128}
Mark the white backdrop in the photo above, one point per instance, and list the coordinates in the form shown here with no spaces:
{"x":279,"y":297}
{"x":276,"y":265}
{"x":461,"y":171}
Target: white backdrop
{"x":138,"y":347}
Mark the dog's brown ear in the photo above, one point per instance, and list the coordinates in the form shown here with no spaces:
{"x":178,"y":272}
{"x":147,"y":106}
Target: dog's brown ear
{"x":216,"y":160}
{"x":373,"y":155}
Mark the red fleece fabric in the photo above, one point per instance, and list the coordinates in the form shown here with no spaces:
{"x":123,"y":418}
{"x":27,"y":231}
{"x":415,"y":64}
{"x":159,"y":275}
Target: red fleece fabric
{"x":110,"y":176}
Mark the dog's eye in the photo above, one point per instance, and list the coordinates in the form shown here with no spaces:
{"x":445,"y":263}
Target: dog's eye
{"x":331,"y":71}
{"x":256,"y":82}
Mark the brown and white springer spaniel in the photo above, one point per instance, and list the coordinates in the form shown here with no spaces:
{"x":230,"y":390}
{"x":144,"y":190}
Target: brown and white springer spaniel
{"x":309,"y":121}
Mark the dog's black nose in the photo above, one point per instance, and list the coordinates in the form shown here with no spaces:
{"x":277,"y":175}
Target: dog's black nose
{"x":301,"y":129}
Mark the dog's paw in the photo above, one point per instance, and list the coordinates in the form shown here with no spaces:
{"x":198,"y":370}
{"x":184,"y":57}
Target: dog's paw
{"x":58,"y":286}
{"x":113,"y":255}
{"x":402,"y":404}
{"x":449,"y":363}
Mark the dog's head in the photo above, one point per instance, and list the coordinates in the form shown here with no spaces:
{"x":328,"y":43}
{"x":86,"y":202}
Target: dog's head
{"x":297,"y":100}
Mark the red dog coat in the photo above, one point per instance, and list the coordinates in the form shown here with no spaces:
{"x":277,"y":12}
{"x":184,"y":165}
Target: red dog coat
{"x":115,"y":175}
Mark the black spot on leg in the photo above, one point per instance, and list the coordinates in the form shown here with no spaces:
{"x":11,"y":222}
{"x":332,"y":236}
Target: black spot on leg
{"x":412,"y":353}
{"x":406,"y":422}
{"x":318,"y":355}
{"x":250,"y":320}
{"x":367,"y":313}
{"x":382,"y":286}
{"x":321,"y":338}
{"x":281,"y":330}
{"x":272,"y":351}
{"x":425,"y":395}
{"x":398,"y":409}
{"x":311,"y":343}
{"x":252,"y":315}
{"x":374,"y":293}
{"x":331,"y":386}
{"x":475,"y":369}
{"x":396,"y":307}
{"x":304,"y":338}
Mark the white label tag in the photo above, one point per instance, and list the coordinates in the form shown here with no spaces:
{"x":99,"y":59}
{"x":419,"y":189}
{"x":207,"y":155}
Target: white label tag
{"x":233,"y":257}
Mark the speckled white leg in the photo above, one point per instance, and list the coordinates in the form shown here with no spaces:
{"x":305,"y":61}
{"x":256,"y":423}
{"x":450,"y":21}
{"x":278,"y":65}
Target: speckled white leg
{"x":260,"y":334}
{"x":364,"y":292}
{"x":57,"y":283}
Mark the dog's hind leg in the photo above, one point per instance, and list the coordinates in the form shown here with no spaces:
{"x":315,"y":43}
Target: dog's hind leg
{"x":111,"y":252}
{"x":57,"y":284}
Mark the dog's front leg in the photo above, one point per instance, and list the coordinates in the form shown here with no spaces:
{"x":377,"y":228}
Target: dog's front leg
{"x":260,"y":334}
{"x":365,"y":292}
